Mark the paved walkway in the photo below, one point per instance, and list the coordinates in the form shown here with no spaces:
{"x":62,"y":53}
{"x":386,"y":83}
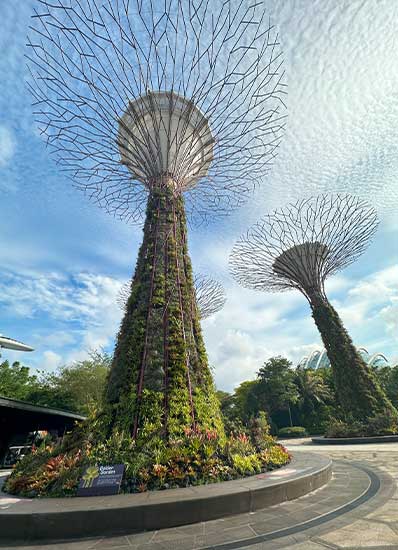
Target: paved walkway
{"x":358,"y":509}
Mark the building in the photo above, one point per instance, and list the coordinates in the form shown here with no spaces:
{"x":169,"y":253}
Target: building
{"x":19,"y":419}
{"x":319,"y":359}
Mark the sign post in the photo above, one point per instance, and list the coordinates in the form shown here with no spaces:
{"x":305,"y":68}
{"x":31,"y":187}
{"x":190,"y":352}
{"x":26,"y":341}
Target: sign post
{"x":100,"y":480}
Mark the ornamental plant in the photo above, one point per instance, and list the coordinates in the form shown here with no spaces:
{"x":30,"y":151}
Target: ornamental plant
{"x":169,"y":111}
{"x":197,"y":457}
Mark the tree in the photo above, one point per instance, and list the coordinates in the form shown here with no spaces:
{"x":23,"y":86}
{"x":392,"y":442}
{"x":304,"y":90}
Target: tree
{"x":46,"y":392}
{"x":314,"y":395}
{"x":276,"y":389}
{"x":77,"y":387}
{"x":74,"y":388}
{"x":388,"y":379}
{"x":246,"y":402}
{"x":311,"y":387}
{"x":15,"y":380}
{"x":226,"y":402}
{"x":298,"y":248}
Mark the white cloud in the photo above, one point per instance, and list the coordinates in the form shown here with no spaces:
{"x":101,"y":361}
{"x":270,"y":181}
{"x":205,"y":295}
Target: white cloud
{"x":81,"y":310}
{"x":51,"y":360}
{"x":254,"y":326}
{"x":370,"y":312}
{"x":58,"y":338}
{"x":342,"y":127}
{"x":60,"y":296}
{"x":341,"y":135}
{"x":7,"y":145}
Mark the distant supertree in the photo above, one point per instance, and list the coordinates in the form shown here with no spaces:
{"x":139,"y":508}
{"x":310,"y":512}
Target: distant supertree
{"x":164,"y":107}
{"x":209,"y":293}
{"x":210,"y":296}
{"x":298,"y":247}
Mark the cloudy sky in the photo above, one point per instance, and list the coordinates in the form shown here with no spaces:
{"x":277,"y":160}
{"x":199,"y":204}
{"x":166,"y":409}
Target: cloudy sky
{"x":62,"y":260}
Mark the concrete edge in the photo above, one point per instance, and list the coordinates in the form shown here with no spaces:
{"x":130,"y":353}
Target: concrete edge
{"x":137,"y":515}
{"x":354,"y":440}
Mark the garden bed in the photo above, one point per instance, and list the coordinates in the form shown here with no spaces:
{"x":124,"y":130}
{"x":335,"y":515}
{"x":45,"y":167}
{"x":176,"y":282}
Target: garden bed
{"x":197,"y":457}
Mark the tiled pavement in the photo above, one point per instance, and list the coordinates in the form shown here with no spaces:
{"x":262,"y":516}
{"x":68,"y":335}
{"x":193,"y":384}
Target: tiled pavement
{"x":372,"y":525}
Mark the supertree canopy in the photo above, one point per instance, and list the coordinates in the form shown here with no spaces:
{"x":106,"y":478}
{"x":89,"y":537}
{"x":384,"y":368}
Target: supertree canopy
{"x":128,"y":93}
{"x":209,"y":296}
{"x":159,"y":108}
{"x":298,"y":247}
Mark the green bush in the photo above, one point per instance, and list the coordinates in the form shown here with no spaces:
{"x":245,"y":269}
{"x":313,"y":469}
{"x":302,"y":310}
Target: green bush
{"x":340,"y":428}
{"x":382,"y":424}
{"x":293,"y":431}
{"x":377,"y":425}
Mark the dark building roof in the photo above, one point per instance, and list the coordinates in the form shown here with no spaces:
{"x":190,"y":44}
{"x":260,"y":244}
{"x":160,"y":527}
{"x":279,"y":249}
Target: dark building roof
{"x":23,"y":406}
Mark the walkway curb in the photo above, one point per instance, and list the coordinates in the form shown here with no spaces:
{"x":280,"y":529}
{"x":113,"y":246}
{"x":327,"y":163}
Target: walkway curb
{"x":60,"y":519}
{"x":354,"y":440}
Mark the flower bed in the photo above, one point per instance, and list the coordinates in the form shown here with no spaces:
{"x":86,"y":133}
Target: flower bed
{"x":197,"y":458}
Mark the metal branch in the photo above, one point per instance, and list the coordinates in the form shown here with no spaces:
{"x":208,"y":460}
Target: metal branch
{"x":302,"y":244}
{"x":127,"y":92}
{"x":210,"y":296}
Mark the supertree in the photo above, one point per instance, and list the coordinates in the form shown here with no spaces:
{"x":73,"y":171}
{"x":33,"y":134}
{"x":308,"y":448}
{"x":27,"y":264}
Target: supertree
{"x":209,"y":296}
{"x":298,"y":247}
{"x":161,"y":108}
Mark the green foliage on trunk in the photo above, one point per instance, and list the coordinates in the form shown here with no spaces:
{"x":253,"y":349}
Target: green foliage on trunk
{"x":160,"y":381}
{"x":357,"y":388}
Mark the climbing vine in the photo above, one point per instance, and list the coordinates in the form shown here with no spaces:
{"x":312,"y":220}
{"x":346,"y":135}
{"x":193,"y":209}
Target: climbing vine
{"x":160,"y":357}
{"x":357,"y":389}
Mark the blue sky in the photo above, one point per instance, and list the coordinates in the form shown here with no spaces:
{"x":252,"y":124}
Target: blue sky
{"x":63,"y":260}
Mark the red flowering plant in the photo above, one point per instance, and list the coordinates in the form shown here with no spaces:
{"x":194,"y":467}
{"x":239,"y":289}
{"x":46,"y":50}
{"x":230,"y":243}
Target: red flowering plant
{"x":239,"y":444}
{"x":41,"y":474}
{"x":195,"y":457}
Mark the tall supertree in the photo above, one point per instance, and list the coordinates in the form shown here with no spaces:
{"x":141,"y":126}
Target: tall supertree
{"x":209,"y":296}
{"x":298,"y":247}
{"x":165,"y":108}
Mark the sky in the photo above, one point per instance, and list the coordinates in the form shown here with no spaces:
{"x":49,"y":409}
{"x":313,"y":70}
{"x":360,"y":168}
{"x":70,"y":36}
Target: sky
{"x":63,"y":260}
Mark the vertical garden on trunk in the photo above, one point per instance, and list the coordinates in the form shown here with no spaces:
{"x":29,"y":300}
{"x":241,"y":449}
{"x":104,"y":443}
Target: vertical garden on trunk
{"x":359,"y":393}
{"x":160,"y":380}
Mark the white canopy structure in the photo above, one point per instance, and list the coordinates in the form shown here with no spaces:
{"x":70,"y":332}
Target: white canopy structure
{"x":318,"y":359}
{"x":163,"y":135}
{"x":9,"y":343}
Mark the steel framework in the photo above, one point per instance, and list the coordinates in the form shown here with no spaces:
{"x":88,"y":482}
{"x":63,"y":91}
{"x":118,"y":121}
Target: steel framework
{"x":210,"y":296}
{"x":301,"y":245}
{"x":209,"y":293}
{"x":166,"y":107}
{"x":108,"y":73}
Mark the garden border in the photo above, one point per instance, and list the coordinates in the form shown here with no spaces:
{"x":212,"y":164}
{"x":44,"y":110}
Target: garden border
{"x":60,"y":519}
{"x":354,"y":440}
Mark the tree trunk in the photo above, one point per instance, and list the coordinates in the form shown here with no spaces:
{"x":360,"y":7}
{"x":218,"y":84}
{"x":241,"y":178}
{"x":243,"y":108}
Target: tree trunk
{"x":357,"y":389}
{"x":160,"y":382}
{"x":290,"y":415}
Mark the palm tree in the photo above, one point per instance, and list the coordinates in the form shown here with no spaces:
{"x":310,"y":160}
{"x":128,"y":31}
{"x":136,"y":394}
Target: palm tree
{"x":312,"y":390}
